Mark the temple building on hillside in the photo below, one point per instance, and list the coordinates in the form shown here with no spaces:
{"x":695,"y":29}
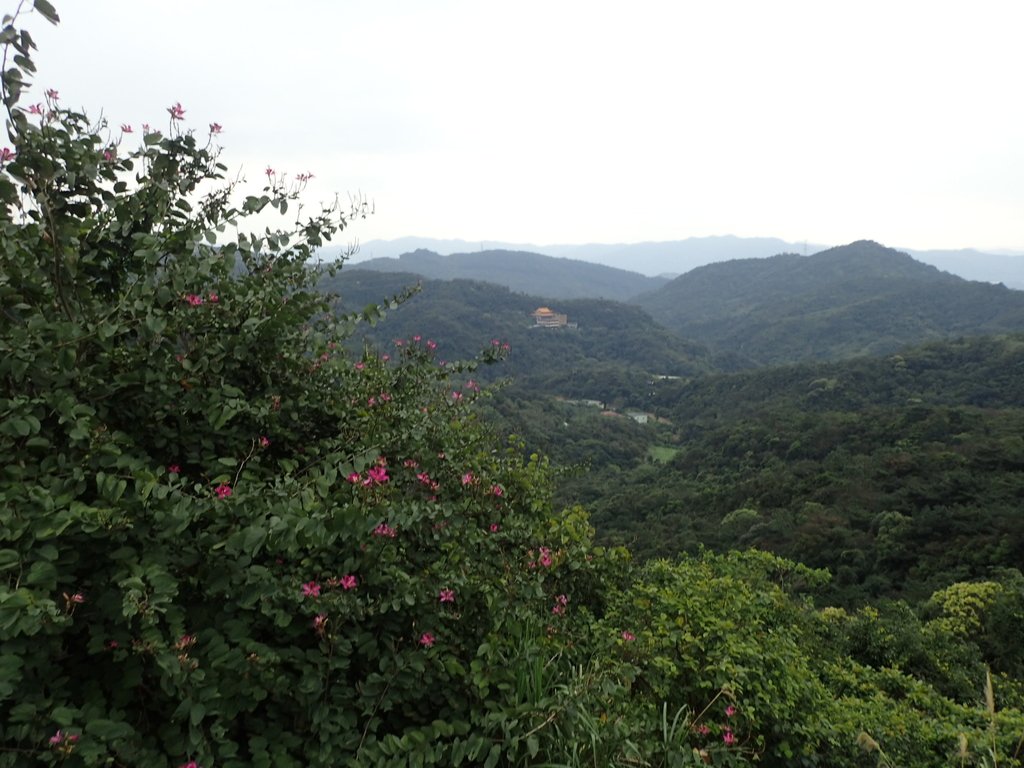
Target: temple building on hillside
{"x":544,"y":317}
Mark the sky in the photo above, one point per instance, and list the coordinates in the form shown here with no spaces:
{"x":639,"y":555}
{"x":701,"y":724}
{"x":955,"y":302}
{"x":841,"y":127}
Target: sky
{"x":560,"y":121}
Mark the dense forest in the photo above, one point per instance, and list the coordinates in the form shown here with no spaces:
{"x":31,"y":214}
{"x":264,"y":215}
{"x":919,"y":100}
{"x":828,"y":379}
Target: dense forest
{"x":899,"y":475}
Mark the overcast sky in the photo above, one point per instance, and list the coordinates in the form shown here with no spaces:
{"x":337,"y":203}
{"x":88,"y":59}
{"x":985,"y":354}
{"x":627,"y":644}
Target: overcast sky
{"x":571,"y":122}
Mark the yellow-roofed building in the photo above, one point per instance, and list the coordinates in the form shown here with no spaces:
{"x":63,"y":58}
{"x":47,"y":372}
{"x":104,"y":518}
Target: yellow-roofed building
{"x":546,"y":317}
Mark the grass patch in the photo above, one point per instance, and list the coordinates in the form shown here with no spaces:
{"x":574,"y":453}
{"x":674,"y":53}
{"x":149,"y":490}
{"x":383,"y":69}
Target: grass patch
{"x":662,"y":453}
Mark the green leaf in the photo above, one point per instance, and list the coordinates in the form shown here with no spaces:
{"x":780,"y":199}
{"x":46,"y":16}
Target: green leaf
{"x":108,"y":730}
{"x":47,"y":11}
{"x":493,"y":756}
{"x":42,"y":574}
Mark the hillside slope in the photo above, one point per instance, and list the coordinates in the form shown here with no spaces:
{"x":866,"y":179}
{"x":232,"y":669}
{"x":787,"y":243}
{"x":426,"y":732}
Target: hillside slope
{"x":463,"y":316}
{"x":852,"y":300}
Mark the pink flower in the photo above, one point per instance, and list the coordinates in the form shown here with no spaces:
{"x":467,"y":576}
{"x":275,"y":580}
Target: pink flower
{"x":495,"y":528}
{"x":189,"y":764}
{"x":177,"y":111}
{"x":304,"y":177}
{"x":360,"y":366}
{"x":427,"y":639}
{"x":456,"y":396}
{"x":311,"y":589}
{"x":35,"y":109}
{"x":703,"y":729}
{"x":213,"y":298}
{"x":145,"y":127}
{"x":125,"y":128}
{"x":729,"y":737}
{"x":61,"y":738}
{"x":376,"y":476}
{"x":410,"y":463}
{"x":349,"y":582}
{"x":431,"y":345}
{"x":385,"y":530}
{"x":113,"y":645}
{"x":264,"y":441}
{"x":417,"y":337}
{"x":446,"y":595}
{"x":215,"y":128}
{"x":628,"y":636}
{"x":108,"y":155}
{"x":6,"y":155}
{"x":561,"y":601}
{"x":353,"y":477}
{"x":545,"y":557}
{"x":497,"y":490}
{"x":78,"y":598}
{"x":467,"y":478}
{"x":385,"y":358}
{"x":399,"y":342}
{"x":174,"y":469}
{"x":52,"y":95}
{"x":222,"y":491}
{"x":320,"y":623}
{"x":269,"y":171}
{"x":193,"y":299}
{"x":185,"y":641}
{"x":730,"y":711}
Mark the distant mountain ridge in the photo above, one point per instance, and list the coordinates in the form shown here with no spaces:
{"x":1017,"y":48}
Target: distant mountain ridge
{"x":524,"y":272}
{"x":676,"y":257}
{"x":847,"y":301}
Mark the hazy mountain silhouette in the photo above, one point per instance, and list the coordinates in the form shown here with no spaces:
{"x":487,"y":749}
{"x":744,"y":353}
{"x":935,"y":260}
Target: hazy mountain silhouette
{"x":531,"y":273}
{"x":675,"y":257}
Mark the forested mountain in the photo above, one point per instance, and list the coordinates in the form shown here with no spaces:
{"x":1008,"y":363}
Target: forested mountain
{"x":464,"y":316}
{"x":898,"y":474}
{"x":858,"y":299}
{"x":869,"y":467}
{"x":524,"y":272}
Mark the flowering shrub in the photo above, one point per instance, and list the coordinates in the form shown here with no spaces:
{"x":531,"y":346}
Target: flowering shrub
{"x":223,"y":541}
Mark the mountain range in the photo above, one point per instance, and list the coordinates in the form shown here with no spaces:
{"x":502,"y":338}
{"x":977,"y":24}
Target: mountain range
{"x":858,"y":299}
{"x":675,"y":257}
{"x":524,"y":272}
